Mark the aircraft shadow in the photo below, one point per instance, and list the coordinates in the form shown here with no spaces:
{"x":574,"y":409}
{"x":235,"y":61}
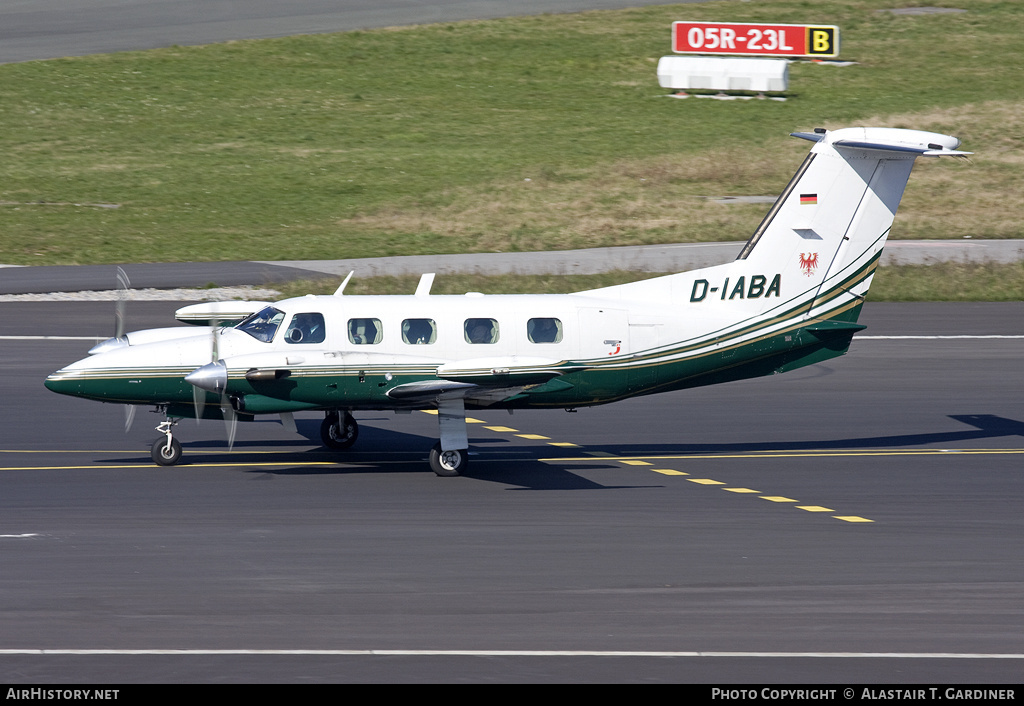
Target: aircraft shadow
{"x":378,"y":450}
{"x":986,"y":426}
{"x":519,"y":465}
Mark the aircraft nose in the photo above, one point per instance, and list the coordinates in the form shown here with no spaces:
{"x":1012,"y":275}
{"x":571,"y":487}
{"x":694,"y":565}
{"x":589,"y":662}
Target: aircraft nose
{"x":212,"y":377}
{"x":61,"y":384}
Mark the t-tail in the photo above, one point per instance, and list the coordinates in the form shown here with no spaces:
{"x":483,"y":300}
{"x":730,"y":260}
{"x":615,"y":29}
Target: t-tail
{"x":823,"y":237}
{"x":793,"y":296}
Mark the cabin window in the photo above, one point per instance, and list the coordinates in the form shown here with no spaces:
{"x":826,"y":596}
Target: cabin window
{"x":263,"y":324}
{"x":481,"y":331}
{"x":546,"y":330}
{"x":365,"y":331}
{"x":306,"y":328}
{"x":418,"y":331}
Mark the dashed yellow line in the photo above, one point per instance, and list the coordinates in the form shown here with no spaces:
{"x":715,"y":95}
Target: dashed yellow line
{"x":738,"y":490}
{"x":637,"y":461}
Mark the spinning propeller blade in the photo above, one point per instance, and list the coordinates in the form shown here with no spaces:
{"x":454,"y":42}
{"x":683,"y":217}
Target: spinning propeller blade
{"x":120,"y":308}
{"x":199,"y":402}
{"x":230,"y":419}
{"x":213,"y":377}
{"x":123,"y":285}
{"x":198,"y":393}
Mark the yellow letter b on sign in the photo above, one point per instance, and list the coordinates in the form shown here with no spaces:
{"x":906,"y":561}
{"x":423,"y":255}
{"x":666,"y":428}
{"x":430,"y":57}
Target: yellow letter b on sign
{"x":822,"y":41}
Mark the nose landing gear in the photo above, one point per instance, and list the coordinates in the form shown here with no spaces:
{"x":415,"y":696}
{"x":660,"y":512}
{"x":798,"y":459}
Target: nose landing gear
{"x":167,"y":450}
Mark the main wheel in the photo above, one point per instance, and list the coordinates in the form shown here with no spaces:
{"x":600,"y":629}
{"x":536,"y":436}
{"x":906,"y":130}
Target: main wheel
{"x":449,"y":463}
{"x":164,"y":456}
{"x":339,"y":432}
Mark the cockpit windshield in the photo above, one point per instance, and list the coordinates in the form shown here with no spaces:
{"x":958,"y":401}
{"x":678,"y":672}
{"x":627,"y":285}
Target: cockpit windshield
{"x":263,"y":324}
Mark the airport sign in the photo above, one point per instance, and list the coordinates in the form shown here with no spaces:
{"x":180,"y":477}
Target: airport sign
{"x":755,"y":39}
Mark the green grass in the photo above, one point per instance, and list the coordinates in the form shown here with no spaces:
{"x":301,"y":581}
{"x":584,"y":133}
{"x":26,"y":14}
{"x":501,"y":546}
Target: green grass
{"x":528,"y":133}
{"x":947,"y":281}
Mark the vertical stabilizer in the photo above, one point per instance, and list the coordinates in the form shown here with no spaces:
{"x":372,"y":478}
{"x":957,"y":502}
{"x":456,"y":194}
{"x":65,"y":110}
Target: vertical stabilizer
{"x":815,"y":253}
{"x":825,"y":233}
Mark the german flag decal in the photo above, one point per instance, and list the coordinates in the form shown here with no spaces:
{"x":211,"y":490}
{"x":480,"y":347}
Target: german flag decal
{"x":808,"y":199}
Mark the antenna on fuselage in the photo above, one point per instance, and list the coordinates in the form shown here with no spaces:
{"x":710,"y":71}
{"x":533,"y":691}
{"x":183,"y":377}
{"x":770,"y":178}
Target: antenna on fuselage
{"x":341,"y":290}
{"x":426,"y":282}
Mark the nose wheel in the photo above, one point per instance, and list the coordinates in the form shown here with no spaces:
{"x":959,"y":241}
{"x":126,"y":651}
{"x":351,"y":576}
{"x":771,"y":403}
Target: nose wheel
{"x":166,"y":454}
{"x":166,"y":451}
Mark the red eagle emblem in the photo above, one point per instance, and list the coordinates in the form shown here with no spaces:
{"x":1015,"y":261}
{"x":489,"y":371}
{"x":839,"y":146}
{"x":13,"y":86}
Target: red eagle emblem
{"x":808,"y":263}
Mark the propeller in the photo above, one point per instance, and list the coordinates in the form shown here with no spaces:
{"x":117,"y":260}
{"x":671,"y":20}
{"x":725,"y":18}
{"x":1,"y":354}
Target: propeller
{"x":123,"y":285}
{"x":230,"y":419}
{"x":213,"y":377}
{"x":198,"y":391}
{"x":120,"y":308}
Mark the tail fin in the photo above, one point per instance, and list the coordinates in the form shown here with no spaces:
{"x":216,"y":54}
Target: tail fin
{"x":815,"y":253}
{"x":824,"y":235}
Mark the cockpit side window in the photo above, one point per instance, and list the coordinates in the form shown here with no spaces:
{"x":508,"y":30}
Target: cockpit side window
{"x":263,"y":324}
{"x":546,"y":330}
{"x":306,"y":328}
{"x":481,"y":331}
{"x":417,"y":331}
{"x":365,"y":331}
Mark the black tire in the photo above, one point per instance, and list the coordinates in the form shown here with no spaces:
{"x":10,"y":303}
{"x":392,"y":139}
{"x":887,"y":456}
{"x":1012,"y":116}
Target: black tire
{"x":164,"y":456}
{"x":448,"y":464}
{"x":337,"y":435}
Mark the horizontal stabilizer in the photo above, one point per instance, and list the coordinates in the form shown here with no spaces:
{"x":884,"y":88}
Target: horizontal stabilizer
{"x":833,"y":325}
{"x":831,"y":328}
{"x":927,"y":144}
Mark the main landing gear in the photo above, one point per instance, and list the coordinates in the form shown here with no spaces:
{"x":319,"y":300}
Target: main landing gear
{"x":339,"y":431}
{"x":448,"y":463}
{"x":450,"y":455}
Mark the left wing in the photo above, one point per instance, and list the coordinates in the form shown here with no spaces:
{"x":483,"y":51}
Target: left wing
{"x":480,"y":380}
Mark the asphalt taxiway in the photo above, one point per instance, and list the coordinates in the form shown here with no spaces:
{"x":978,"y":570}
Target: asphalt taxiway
{"x":44,"y":29}
{"x":852,"y":521}
{"x":855,"y":522}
